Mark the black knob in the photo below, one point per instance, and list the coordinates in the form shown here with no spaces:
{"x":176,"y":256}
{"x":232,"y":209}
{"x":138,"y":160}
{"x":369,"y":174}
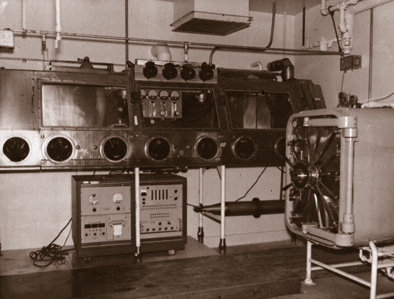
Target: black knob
{"x":169,"y":71}
{"x":188,"y":72}
{"x":206,"y":72}
{"x":150,"y":69}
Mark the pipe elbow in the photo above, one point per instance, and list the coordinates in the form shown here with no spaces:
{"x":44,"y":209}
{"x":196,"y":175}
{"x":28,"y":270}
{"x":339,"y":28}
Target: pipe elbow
{"x":324,"y":11}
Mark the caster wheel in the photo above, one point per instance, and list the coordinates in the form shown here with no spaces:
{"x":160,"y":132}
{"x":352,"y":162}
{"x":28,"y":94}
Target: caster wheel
{"x":171,"y":252}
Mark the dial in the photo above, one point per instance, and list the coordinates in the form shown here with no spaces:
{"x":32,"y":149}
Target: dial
{"x":16,"y":149}
{"x":150,"y":69}
{"x":175,"y":95}
{"x":115,"y":149}
{"x":164,"y":95}
{"x":94,"y":199}
{"x":152,"y":94}
{"x":159,"y":149}
{"x":59,"y":149}
{"x":169,"y":71}
{"x":207,"y":148}
{"x":117,"y":197}
{"x":143,"y":94}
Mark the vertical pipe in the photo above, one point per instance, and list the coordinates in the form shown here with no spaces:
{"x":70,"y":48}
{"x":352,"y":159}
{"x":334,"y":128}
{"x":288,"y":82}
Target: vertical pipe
{"x":137,"y":212}
{"x":58,"y":27}
{"x":374,"y":270}
{"x":348,"y":219}
{"x":200,"y":233}
{"x":222,"y":244}
{"x":308,"y":279}
{"x":24,"y":15}
{"x":127,"y":30}
{"x":284,"y":28}
{"x":303,"y":25}
{"x":370,"y":54}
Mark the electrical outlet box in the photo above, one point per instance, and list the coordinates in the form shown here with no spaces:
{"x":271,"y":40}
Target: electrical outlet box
{"x":351,"y":62}
{"x":6,"y":38}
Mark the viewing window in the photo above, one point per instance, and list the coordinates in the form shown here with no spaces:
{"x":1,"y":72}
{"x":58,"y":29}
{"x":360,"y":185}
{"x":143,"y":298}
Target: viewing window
{"x":83,"y":106}
{"x":258,"y":110}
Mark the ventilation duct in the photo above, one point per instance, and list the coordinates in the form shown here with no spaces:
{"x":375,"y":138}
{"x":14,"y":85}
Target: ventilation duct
{"x":219,"y":17}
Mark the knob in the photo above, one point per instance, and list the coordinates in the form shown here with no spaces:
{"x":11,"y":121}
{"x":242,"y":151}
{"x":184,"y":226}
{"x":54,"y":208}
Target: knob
{"x":169,"y":71}
{"x":150,"y":69}
{"x":188,"y":72}
{"x":206,"y":72}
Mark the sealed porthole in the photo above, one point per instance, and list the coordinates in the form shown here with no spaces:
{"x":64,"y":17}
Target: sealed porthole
{"x":114,"y":149}
{"x":59,"y":149}
{"x":207,"y":148}
{"x":244,"y":148}
{"x":16,"y":149}
{"x":158,"y":148}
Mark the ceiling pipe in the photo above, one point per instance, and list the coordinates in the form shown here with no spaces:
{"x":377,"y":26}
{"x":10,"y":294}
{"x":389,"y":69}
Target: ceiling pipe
{"x":347,"y":10}
{"x":249,"y":49}
{"x":172,"y":43}
{"x":58,"y":27}
{"x":126,"y":31}
{"x":24,"y":15}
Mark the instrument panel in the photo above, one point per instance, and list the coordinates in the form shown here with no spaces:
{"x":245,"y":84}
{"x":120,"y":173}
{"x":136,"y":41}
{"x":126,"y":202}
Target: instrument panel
{"x":152,"y":115}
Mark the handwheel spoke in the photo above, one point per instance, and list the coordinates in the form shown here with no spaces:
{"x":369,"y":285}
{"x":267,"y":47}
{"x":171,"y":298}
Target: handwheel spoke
{"x":329,"y":160}
{"x":317,"y":143}
{"x":326,"y":206}
{"x":326,"y":146}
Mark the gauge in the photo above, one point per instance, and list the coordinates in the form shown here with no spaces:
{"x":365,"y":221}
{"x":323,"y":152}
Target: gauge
{"x":142,"y":94}
{"x":16,"y":149}
{"x":163,"y":95}
{"x":115,"y":149}
{"x":59,"y":149}
{"x":152,"y":94}
{"x":175,"y":95}
{"x":117,"y":197}
{"x":94,"y":199}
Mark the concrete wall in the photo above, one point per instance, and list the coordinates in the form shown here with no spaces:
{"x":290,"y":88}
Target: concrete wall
{"x":35,"y":206}
{"x":324,"y":70}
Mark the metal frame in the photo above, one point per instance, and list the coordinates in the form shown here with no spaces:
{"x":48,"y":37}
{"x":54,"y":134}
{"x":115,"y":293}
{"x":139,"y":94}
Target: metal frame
{"x":375,"y":253}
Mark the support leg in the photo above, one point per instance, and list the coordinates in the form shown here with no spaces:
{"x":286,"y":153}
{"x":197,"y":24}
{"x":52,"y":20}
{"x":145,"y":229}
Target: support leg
{"x":308,"y":279}
{"x":222,"y":244}
{"x":374,"y":270}
{"x":137,"y":214}
{"x":200,"y":233}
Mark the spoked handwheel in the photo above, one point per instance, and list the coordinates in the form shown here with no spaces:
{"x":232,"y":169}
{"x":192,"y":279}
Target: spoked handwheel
{"x":313,"y":159}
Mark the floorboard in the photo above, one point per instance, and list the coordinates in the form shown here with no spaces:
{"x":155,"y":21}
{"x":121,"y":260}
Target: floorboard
{"x":253,"y":271}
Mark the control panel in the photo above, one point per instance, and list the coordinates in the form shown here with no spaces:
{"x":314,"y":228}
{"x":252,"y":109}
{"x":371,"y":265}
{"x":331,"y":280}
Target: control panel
{"x":189,"y":72}
{"x":103,"y":215}
{"x":163,"y":212}
{"x":161,"y":103}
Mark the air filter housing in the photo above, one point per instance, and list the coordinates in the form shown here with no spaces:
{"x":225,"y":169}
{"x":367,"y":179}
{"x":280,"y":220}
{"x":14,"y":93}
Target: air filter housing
{"x":340,"y":169}
{"x":219,"y":17}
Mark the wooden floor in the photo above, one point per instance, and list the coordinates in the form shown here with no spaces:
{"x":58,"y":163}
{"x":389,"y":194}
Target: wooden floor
{"x":253,"y":271}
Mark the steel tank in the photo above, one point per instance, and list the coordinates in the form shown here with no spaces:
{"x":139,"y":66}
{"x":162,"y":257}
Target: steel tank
{"x":339,"y":176}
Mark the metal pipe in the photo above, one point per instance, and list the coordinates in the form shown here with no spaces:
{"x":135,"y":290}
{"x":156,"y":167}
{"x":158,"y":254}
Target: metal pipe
{"x":200,"y":232}
{"x":222,"y":244}
{"x":24,"y":15}
{"x":374,"y":269}
{"x":370,"y":54}
{"x":126,"y":31}
{"x":242,"y":48}
{"x":348,"y":220}
{"x":308,"y":279}
{"x":254,"y":208}
{"x":303,"y":25}
{"x":342,"y":273}
{"x":58,"y":27}
{"x":137,"y":212}
{"x":179,"y":44}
